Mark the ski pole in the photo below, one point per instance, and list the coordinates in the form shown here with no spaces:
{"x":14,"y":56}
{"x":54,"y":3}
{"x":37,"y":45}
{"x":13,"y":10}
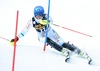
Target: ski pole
{"x":72,"y":30}
{"x":4,"y":38}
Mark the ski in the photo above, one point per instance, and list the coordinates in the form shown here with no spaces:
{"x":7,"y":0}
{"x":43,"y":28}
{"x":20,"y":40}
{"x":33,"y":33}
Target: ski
{"x":91,"y":63}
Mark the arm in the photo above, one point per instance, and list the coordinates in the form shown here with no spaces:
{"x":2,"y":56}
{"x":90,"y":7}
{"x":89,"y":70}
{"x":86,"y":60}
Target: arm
{"x":24,"y":31}
{"x":44,"y":22}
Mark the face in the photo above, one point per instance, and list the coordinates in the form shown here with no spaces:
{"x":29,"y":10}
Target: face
{"x":38,"y":17}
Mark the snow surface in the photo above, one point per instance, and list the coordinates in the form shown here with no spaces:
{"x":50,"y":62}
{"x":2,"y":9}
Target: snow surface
{"x":79,"y":15}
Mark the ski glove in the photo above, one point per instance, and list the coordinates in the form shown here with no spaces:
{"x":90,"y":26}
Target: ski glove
{"x":12,"y":41}
{"x":44,"y":22}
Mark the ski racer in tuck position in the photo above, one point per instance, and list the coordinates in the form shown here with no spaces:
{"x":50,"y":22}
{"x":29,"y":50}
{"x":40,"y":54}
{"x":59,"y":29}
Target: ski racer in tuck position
{"x":39,"y":21}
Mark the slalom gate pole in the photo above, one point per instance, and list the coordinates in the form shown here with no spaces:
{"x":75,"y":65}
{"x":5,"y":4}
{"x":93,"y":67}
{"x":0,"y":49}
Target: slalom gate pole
{"x":47,"y":26}
{"x":72,"y":30}
{"x":14,"y":53}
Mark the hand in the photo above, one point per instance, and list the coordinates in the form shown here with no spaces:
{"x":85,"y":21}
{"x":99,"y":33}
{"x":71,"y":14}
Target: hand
{"x":12,"y":41}
{"x":44,"y":22}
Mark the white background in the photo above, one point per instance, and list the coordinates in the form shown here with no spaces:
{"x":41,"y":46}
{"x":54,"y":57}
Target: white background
{"x":79,"y":15}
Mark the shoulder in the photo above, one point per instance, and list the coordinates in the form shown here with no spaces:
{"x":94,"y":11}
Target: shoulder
{"x":33,"y":19}
{"x":44,"y":17}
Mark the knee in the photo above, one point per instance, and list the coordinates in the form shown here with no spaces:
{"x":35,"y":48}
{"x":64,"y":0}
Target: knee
{"x":71,"y":47}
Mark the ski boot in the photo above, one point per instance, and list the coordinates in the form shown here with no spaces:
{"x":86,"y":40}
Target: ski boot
{"x":86,"y":56}
{"x":66,"y":53}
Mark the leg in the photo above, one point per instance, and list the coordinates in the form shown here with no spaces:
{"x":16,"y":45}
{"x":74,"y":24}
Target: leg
{"x":71,"y":47}
{"x":53,"y":44}
{"x":76,"y":50}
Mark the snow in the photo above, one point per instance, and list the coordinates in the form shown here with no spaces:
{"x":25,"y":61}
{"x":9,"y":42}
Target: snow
{"x":82,"y":16}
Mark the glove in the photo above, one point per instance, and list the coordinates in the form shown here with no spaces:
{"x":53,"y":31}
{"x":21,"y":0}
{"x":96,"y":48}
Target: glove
{"x":12,"y":41}
{"x":44,"y":22}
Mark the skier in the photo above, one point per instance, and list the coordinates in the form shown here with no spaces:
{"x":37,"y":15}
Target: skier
{"x":39,"y":21}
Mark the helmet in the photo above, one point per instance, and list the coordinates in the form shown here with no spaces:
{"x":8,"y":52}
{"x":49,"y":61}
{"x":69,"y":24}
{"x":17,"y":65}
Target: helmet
{"x":38,"y":11}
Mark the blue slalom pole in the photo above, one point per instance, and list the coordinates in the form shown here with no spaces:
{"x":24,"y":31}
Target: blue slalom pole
{"x":47,"y":25}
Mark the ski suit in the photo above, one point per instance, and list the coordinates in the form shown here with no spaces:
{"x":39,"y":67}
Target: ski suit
{"x":53,"y":39}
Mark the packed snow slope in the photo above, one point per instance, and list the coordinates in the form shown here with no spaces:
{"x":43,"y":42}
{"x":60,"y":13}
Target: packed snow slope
{"x":82,"y":16}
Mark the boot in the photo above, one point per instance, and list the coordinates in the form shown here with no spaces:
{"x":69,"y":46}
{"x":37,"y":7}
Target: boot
{"x":86,"y":56}
{"x":66,"y":53}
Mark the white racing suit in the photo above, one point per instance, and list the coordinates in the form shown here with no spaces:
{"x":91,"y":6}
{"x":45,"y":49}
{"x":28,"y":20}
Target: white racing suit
{"x":53,"y":39}
{"x":41,"y":31}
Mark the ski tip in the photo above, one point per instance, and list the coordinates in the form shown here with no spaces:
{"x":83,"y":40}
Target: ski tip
{"x":90,"y":62}
{"x":67,"y":59}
